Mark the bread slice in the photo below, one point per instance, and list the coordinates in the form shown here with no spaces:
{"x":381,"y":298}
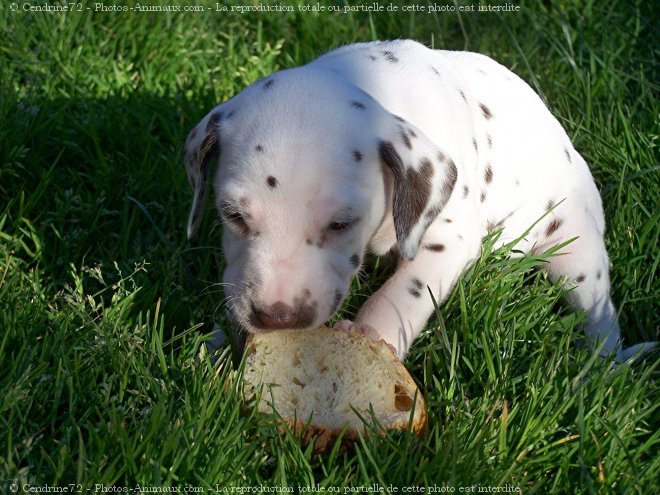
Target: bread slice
{"x":319,"y":379}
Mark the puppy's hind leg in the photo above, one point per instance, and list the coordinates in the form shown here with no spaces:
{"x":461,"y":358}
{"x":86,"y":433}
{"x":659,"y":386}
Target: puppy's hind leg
{"x":583,"y":267}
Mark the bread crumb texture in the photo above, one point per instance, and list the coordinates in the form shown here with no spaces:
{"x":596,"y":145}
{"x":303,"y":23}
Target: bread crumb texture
{"x":325,"y":376}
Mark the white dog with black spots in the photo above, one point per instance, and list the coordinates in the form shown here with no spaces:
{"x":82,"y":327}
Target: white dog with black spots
{"x":392,"y":146}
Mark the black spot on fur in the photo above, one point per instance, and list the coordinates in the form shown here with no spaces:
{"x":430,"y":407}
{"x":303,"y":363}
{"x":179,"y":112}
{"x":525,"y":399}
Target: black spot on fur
{"x":599,"y":275}
{"x":474,"y":143}
{"x":442,"y":158}
{"x":568,"y":155}
{"x":466,"y":191}
{"x":482,"y":197}
{"x":355,"y":260}
{"x":492,"y":224}
{"x":488,"y":175}
{"x":416,"y":288}
{"x":400,"y":119}
{"x":272,"y":182}
{"x":406,"y":139}
{"x":357,"y":155}
{"x":435,"y":71}
{"x":490,"y":141}
{"x":580,"y":278}
{"x":309,"y":242}
{"x":268,"y":84}
{"x":373,"y":58}
{"x":553,"y":227}
{"x":486,"y":111}
{"x":259,"y":148}
{"x":431,"y":213}
{"x":550,"y":205}
{"x":358,"y":105}
{"x":390,"y":57}
{"x":438,"y":248}
{"x":462,"y":95}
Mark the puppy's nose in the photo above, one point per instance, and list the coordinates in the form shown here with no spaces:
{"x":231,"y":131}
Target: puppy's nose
{"x":277,"y":316}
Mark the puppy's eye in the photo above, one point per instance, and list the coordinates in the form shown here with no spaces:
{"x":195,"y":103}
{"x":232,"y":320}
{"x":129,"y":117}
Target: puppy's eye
{"x":341,"y":225}
{"x":235,"y":219}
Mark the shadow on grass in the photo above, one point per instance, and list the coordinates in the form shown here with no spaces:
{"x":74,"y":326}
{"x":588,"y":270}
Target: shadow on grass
{"x":100,"y":184}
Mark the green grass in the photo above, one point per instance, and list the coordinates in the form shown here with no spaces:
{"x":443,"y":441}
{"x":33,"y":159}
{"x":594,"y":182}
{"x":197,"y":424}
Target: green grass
{"x":104,"y":304}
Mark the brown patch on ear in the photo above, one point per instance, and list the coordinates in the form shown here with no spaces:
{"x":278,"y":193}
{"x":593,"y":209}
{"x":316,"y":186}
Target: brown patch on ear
{"x":207,"y":150}
{"x":426,"y":169}
{"x":214,"y":120}
{"x":412,"y":189}
{"x":197,"y":167}
{"x":450,"y":180}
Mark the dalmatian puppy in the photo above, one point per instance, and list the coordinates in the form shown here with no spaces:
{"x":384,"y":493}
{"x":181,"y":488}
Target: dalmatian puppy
{"x":392,"y":146}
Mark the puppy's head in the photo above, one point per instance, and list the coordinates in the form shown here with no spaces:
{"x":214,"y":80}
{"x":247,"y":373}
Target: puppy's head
{"x":308,"y":168}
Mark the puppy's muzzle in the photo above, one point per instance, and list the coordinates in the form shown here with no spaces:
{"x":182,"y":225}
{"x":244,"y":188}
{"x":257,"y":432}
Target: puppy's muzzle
{"x":281,"y":315}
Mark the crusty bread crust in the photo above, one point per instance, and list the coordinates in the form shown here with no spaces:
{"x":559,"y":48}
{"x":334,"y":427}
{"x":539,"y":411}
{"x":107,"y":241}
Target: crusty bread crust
{"x":321,"y":381}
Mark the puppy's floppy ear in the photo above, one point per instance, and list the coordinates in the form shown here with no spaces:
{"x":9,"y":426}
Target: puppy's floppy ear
{"x":202,"y":146}
{"x":424,"y":178}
